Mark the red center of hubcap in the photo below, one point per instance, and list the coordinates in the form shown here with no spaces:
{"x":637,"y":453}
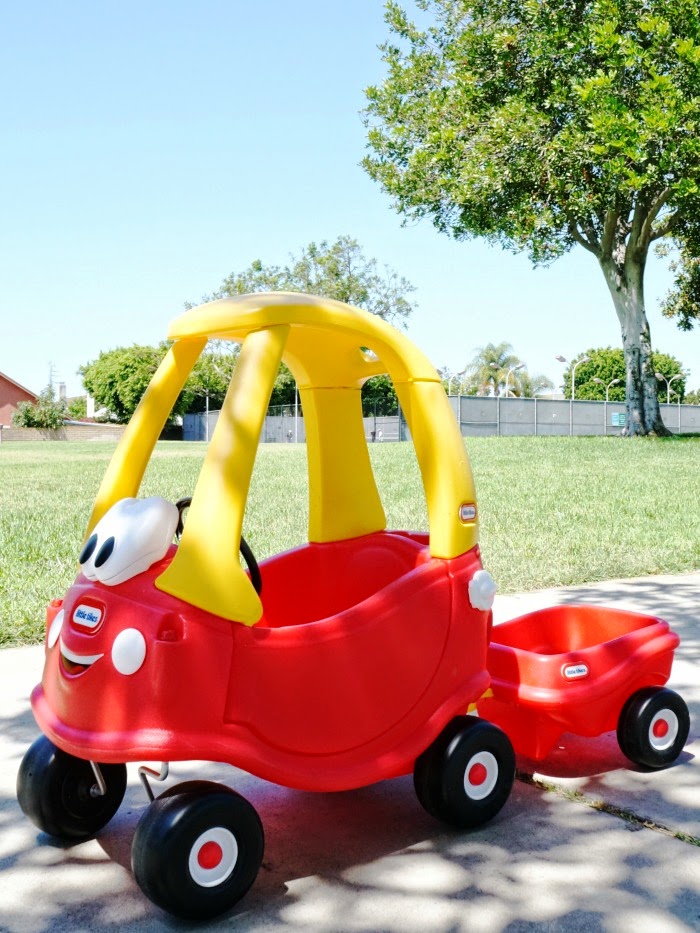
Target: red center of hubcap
{"x":209,"y":855}
{"x":477,"y":775}
{"x":660,"y":728}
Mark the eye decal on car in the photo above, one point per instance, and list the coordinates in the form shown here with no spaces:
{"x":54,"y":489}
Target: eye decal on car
{"x":105,"y":552}
{"x":128,"y":539}
{"x":87,"y":551}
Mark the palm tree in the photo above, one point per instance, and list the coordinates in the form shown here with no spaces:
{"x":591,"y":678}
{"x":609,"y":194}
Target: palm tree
{"x":489,"y":368}
{"x":528,"y":386}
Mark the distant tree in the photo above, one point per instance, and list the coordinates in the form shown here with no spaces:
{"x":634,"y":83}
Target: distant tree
{"x":207,"y":385}
{"x":529,"y":386}
{"x":692,"y":398}
{"x":47,"y":412}
{"x":118,"y":378}
{"x":671,"y":369}
{"x":338,"y":270}
{"x":77,"y":408}
{"x":488,"y":370}
{"x":543,"y":126}
{"x":284,"y":391}
{"x":607,"y":364}
{"x":379,"y":397}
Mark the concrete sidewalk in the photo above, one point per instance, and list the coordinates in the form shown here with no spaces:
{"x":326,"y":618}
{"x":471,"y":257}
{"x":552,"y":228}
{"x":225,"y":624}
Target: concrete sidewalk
{"x":373,"y":861}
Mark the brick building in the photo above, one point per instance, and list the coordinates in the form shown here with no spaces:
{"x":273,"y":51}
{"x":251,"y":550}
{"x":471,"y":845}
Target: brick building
{"x":11,"y":394}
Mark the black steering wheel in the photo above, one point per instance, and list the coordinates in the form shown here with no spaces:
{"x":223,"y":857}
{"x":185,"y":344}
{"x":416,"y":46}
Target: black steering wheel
{"x":248,"y":556}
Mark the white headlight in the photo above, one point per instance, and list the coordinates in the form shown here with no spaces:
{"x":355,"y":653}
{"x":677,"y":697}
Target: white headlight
{"x":482,"y":590}
{"x":128,"y":651}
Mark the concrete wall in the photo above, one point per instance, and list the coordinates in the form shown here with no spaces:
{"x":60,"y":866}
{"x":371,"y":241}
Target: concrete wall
{"x":72,"y":432}
{"x":522,"y":416}
{"x":478,"y":416}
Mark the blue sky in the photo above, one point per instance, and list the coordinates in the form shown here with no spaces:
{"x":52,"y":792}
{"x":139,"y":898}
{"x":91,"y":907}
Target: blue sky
{"x":151,"y":148}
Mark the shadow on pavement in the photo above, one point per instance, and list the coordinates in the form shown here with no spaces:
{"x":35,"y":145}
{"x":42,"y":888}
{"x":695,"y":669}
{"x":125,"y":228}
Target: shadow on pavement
{"x":372,"y":861}
{"x":366,"y":860}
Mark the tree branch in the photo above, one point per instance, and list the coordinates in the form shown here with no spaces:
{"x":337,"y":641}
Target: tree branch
{"x":588,"y":242}
{"x":608,"y":238}
{"x":647,"y":233}
{"x":664,"y":228}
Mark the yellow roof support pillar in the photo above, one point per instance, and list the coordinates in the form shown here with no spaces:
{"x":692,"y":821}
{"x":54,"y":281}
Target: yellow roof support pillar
{"x":129,"y":461}
{"x":444,"y":466}
{"x":206,"y":570}
{"x":344,"y":501}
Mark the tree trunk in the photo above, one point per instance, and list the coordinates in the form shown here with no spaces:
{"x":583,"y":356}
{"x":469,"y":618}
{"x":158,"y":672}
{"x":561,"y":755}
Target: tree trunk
{"x":626,"y":284}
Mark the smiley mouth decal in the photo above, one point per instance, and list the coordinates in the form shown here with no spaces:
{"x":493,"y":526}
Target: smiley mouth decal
{"x":76,"y":663}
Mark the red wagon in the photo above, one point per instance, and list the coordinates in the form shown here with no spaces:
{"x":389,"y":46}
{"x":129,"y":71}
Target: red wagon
{"x":586,"y":670}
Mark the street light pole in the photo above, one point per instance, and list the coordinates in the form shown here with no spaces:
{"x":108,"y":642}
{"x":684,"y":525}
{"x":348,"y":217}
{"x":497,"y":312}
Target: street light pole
{"x":601,"y":382}
{"x":661,"y":377}
{"x":460,"y":376}
{"x":574,"y":364}
{"x":495,"y":366}
{"x":513,"y":369}
{"x":296,"y":413}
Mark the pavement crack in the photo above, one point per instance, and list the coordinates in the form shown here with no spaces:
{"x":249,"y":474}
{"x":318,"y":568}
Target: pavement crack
{"x":634,"y":820}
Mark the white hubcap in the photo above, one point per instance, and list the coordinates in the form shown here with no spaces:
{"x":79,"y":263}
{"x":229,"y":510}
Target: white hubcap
{"x":663,"y":730}
{"x":480,"y":776}
{"x":213,"y":857}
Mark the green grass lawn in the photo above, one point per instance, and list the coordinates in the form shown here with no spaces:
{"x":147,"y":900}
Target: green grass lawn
{"x":553,"y":510}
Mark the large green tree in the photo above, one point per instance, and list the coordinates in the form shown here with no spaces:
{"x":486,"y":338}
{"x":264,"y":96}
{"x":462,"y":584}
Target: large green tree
{"x":118,"y":378}
{"x":605,"y":369}
{"x":338,"y":270}
{"x":547,"y":124}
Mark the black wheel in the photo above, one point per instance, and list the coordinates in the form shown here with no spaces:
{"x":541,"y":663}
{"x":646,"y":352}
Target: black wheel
{"x":466,"y":775}
{"x":653,"y":727}
{"x":248,"y":556}
{"x":197,"y":850}
{"x":60,"y":793}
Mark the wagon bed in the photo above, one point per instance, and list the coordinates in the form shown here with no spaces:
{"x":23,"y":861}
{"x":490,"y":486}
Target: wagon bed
{"x":571,"y":668}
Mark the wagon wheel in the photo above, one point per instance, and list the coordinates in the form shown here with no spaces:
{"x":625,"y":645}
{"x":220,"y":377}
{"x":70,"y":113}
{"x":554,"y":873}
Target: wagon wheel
{"x":197,"y":850}
{"x":248,"y":556}
{"x":465,"y":777}
{"x":59,"y":793}
{"x":653,"y":727}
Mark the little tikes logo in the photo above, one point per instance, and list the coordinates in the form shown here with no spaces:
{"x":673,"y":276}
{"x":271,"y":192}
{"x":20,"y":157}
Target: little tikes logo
{"x":575,"y":671}
{"x":87,"y":616}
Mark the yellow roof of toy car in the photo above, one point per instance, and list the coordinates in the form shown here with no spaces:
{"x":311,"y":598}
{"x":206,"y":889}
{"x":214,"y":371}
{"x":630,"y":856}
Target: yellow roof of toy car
{"x":331,"y":349}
